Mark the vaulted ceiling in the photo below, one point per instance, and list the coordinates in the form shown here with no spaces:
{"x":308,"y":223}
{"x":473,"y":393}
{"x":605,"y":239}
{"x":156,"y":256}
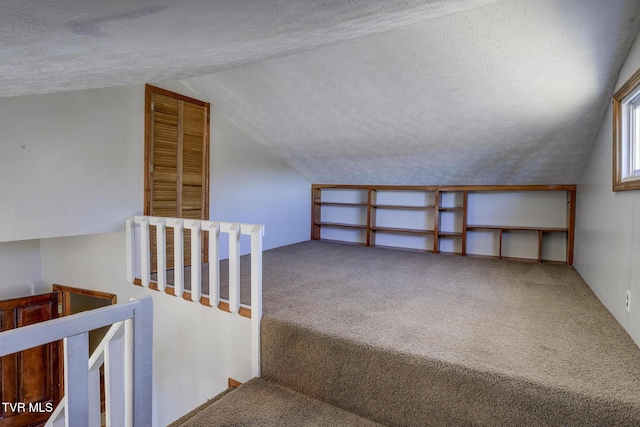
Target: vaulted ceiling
{"x":386,"y":92}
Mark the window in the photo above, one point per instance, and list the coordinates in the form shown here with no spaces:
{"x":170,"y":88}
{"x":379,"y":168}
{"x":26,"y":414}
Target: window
{"x":626,"y":135}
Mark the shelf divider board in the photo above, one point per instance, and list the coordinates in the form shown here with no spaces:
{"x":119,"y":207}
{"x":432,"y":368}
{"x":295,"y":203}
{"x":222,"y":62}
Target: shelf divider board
{"x":540,"y":246}
{"x":571,"y":223}
{"x":436,"y":224}
{"x":315,"y":213}
{"x":465,"y":196}
{"x":371,"y":218}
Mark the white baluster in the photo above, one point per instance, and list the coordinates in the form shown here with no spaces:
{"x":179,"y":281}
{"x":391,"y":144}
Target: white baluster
{"x":114,"y":380}
{"x":76,"y":380}
{"x":161,"y":252}
{"x":234,"y":268}
{"x":214,"y":263}
{"x":142,"y":362}
{"x":129,"y":249}
{"x":145,"y":257}
{"x":94,"y":397}
{"x":256,"y":297}
{"x":178,"y":256}
{"x":196,"y":261}
{"x":128,"y":372}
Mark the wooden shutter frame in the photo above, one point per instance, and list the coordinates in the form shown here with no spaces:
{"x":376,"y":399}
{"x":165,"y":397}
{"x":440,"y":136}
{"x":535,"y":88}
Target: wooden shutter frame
{"x":149,"y":91}
{"x":148,"y":119}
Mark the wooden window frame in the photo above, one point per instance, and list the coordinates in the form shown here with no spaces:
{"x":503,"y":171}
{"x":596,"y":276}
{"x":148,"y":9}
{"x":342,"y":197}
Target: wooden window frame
{"x":620,"y":143}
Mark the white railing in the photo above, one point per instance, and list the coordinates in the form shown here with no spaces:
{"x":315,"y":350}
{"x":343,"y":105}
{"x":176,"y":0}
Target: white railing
{"x":127,"y":356}
{"x":139,"y":248}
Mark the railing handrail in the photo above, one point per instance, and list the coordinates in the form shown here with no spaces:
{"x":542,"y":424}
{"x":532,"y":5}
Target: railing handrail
{"x":225,"y":226}
{"x":81,"y":402}
{"x":26,"y":337}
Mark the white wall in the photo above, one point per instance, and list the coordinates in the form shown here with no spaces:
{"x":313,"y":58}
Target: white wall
{"x":70,"y":162}
{"x":250,"y":185}
{"x":607,"y":253}
{"x":20,"y":267}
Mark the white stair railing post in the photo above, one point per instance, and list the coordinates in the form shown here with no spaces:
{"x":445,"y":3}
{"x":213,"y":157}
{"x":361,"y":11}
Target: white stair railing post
{"x":94,"y":398}
{"x":196,"y":261}
{"x":145,"y":257}
{"x":234,"y":268}
{"x":129,"y":249}
{"x":142,"y":362}
{"x":161,"y":252}
{"x":76,"y":380}
{"x":128,"y":372}
{"x":114,"y":379}
{"x":214,"y":263}
{"x":178,"y":256}
{"x":256,"y":297}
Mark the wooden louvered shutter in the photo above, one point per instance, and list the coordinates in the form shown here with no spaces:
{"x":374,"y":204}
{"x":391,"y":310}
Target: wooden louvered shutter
{"x":176,"y":162}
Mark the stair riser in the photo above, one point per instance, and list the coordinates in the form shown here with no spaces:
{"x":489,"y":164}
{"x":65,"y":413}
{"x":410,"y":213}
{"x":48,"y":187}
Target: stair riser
{"x":398,"y":390}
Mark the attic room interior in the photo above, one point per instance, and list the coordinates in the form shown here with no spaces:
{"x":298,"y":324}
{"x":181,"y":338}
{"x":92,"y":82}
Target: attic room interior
{"x":409,"y":213}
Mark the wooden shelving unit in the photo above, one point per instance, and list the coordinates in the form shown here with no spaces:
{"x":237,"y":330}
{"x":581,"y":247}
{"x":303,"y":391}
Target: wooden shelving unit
{"x":449,"y":227}
{"x":376,"y":208}
{"x":452,"y":203}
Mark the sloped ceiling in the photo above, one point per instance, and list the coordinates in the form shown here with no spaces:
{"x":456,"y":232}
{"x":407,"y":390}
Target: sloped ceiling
{"x":54,"y":45}
{"x":386,"y":92}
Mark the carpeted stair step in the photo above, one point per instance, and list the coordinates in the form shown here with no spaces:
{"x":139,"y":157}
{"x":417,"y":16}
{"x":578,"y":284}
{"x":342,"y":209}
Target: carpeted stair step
{"x":398,"y":389}
{"x":259,"y":402}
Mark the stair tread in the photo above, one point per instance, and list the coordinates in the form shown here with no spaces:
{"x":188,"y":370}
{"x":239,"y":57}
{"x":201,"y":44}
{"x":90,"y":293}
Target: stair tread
{"x":260,"y":402}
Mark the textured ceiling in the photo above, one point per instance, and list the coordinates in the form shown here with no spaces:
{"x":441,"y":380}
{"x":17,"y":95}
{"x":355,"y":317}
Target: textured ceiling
{"x":49,"y":46}
{"x":387,"y":91}
{"x":510,"y":93}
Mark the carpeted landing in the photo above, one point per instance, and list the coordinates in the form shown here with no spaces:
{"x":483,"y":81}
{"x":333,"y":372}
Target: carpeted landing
{"x":412,"y":339}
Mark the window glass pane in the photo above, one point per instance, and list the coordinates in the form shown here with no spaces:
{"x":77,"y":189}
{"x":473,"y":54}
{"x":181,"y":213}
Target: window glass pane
{"x":635,"y":143}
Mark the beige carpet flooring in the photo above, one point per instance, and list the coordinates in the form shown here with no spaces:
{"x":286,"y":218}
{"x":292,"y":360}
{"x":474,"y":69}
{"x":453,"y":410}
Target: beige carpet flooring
{"x":525,"y":320}
{"x":531,"y":337}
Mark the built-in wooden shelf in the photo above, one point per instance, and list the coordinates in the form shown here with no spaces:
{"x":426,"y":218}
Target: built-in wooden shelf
{"x":407,"y":208}
{"x":445,"y":211}
{"x":402,"y":230}
{"x":517,"y":228}
{"x":342,"y":225}
{"x":364,"y":205}
{"x":449,"y":233}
